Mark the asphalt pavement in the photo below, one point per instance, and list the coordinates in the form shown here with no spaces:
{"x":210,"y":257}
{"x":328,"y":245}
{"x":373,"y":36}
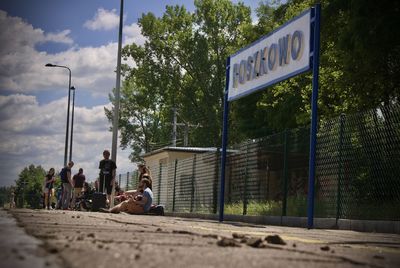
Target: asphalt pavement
{"x":42,"y":238}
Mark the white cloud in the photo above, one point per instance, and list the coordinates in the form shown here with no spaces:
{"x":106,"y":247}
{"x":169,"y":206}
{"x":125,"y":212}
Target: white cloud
{"x":35,"y":134}
{"x":61,"y":37}
{"x":17,"y":36}
{"x":103,"y":20}
{"x":133,"y":34}
{"x":22,"y":67}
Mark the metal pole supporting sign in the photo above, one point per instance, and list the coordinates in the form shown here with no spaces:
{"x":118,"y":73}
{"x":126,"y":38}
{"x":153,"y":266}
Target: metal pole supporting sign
{"x":224,"y":143}
{"x":315,"y":21}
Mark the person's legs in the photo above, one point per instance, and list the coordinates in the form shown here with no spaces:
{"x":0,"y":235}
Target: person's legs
{"x":53,"y":199}
{"x":101,"y":184}
{"x":76,"y":193}
{"x":109,"y":190}
{"x":46,"y":198}
{"x":133,"y":208}
{"x":121,"y":207}
{"x":66,"y":197}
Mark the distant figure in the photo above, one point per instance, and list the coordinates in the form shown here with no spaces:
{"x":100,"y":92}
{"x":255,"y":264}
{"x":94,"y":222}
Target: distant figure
{"x":78,"y":181}
{"x":12,"y":199}
{"x":137,"y":204}
{"x":107,"y":174}
{"x":48,"y":187}
{"x":67,"y":185}
{"x":144,"y":171}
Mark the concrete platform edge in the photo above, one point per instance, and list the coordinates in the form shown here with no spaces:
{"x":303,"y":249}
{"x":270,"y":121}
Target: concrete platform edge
{"x":319,"y":223}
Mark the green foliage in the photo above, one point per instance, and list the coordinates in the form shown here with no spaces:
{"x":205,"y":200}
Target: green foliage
{"x":182,"y":65}
{"x":29,"y":186}
{"x":5,"y":195}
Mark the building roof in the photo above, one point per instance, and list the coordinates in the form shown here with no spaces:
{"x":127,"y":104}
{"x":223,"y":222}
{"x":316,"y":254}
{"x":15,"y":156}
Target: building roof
{"x":182,"y":149}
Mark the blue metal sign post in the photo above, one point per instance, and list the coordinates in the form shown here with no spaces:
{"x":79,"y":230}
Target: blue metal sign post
{"x":224,"y":143}
{"x":284,"y":53}
{"x":315,"y":21}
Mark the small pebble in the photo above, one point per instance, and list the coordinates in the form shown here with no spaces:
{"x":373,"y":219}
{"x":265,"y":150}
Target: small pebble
{"x":255,"y":242}
{"x":238,"y":236}
{"x":379,"y":257}
{"x":275,"y":239}
{"x":53,"y":250}
{"x":228,"y":242}
{"x":325,"y":248}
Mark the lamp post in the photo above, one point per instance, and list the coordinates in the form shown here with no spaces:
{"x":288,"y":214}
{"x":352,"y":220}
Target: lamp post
{"x":72,"y":122}
{"x":69,"y":100}
{"x":117,"y":88}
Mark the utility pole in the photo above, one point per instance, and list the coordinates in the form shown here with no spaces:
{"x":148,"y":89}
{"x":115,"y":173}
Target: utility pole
{"x":174,"y":123}
{"x":186,"y":135}
{"x":186,"y":126}
{"x":117,"y":89}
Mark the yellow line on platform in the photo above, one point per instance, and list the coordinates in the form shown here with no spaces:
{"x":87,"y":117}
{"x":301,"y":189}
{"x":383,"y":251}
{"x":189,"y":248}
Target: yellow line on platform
{"x":285,"y":237}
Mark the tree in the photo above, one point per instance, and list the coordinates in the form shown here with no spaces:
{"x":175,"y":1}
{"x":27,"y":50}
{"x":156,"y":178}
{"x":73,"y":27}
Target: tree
{"x":29,"y":186}
{"x":182,"y":66}
{"x":5,"y":195}
{"x":359,"y":63}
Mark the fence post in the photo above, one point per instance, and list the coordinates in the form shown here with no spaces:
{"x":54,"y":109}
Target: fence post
{"x":192,"y":190}
{"x":126,"y":187}
{"x":159,"y":184}
{"x":215,"y":186}
{"x":127,"y":178}
{"x":285,"y":172}
{"x":340,"y":173}
{"x":246,"y":178}
{"x":173,"y":195}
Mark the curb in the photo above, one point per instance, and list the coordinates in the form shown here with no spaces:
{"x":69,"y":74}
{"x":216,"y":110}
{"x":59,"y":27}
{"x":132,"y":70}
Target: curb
{"x":369,"y":226}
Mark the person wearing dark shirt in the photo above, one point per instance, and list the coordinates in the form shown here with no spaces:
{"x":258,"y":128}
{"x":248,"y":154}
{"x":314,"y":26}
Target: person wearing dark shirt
{"x":107,"y":174}
{"x":78,"y":181}
{"x":67,"y":185}
{"x":48,"y":187}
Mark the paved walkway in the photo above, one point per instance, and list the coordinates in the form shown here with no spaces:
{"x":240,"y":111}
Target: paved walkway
{"x":79,"y":239}
{"x":20,"y":250}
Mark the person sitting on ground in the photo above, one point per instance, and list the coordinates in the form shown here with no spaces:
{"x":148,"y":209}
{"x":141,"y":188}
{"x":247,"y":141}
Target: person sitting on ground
{"x":136,"y":204}
{"x":132,"y":193}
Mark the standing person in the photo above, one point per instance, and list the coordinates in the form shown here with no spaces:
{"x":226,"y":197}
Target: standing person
{"x":12,"y":199}
{"x":67,"y":185}
{"x":78,"y":181}
{"x":107,"y":174}
{"x":48,"y":187}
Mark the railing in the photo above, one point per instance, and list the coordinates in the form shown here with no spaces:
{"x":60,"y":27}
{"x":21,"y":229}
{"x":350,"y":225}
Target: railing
{"x":357,"y":172}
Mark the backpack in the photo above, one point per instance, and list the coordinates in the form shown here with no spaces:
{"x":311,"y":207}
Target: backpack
{"x":63,"y":175}
{"x":157,"y":210}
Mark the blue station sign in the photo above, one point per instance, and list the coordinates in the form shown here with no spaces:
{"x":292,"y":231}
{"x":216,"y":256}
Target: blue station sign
{"x":277,"y":56}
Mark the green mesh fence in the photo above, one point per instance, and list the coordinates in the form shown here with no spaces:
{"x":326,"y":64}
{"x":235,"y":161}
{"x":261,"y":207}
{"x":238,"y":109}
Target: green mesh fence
{"x":357,"y":172}
{"x":128,"y":181}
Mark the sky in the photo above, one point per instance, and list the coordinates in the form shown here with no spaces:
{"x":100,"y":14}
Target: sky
{"x":82,"y":35}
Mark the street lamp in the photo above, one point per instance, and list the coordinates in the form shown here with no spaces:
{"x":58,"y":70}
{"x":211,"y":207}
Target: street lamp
{"x":69,"y":100}
{"x":72,"y":122}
